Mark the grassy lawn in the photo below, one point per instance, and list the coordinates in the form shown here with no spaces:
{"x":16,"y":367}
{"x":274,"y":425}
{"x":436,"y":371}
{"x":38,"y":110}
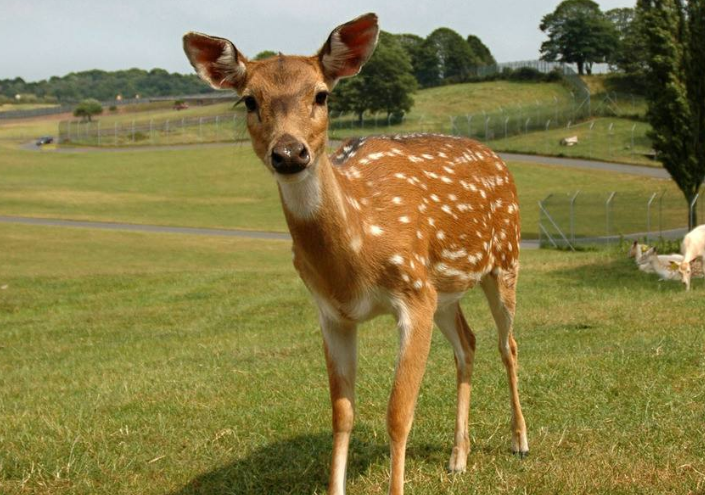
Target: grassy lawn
{"x":216,"y":187}
{"x":12,"y":107}
{"x":608,"y":139}
{"x":152,"y":364}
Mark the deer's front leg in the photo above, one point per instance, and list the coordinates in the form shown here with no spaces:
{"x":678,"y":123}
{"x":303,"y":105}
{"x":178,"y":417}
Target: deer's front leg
{"x":340,"y":347}
{"x":415,"y":321}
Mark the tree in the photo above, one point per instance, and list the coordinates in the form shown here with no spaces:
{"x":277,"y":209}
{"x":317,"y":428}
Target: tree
{"x":578,"y":33}
{"x":424,"y":59}
{"x":455,"y":56}
{"x":480,"y":50}
{"x":384,"y":84}
{"x":87,"y":109}
{"x":675,"y":37}
{"x":630,"y":53}
{"x":265,"y":54}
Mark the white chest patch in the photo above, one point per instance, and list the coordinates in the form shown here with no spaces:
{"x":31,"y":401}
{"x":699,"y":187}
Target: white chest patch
{"x":302,"y":196}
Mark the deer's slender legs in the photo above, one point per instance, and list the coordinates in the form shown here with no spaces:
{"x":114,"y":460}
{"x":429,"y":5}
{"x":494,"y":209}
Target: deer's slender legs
{"x":500,"y":289}
{"x":340,"y":347}
{"x":415,"y":321}
{"x":452,"y":323}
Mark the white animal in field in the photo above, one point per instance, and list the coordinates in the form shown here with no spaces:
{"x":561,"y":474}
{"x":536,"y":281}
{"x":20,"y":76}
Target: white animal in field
{"x":693,"y":247}
{"x":666,"y":270}
{"x":638,"y":252}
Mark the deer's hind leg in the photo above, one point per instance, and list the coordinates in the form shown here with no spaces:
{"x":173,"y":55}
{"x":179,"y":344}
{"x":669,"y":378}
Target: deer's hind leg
{"x":500,"y":290}
{"x":452,"y":323}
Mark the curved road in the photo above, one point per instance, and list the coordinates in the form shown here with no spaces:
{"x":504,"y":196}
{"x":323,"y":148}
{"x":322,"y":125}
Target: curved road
{"x":654,"y":172}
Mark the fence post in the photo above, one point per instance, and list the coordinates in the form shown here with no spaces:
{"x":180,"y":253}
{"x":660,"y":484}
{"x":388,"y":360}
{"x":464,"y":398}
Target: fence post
{"x":691,"y":212}
{"x":487,"y":125}
{"x":166,"y":128}
{"x":633,"y":129}
{"x":526,"y":125}
{"x":217,"y":127}
{"x":200,"y":128}
{"x":133,"y":131}
{"x":115,"y":134}
{"x":660,"y":213}
{"x":548,"y":125}
{"x":592,"y":124}
{"x":648,"y":216}
{"x":151,"y":131}
{"x":469,"y":118}
{"x":608,"y":204}
{"x":506,"y":122}
{"x":99,"y":133}
{"x":572,"y":215}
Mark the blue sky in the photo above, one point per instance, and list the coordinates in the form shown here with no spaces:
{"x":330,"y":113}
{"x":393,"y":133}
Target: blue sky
{"x":43,"y":38}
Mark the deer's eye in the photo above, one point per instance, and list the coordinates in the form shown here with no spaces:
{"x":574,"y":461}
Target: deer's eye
{"x":250,"y":103}
{"x":321,"y":98}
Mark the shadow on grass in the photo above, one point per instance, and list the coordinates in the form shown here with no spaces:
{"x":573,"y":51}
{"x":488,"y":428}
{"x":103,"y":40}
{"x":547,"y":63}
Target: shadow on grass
{"x":297,"y":465}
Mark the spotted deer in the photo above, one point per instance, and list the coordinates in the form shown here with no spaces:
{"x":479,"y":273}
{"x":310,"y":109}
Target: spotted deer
{"x":400,"y":225}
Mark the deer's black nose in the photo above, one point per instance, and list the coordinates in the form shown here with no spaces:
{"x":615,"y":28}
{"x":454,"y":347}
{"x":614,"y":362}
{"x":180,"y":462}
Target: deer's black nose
{"x":289,"y":155}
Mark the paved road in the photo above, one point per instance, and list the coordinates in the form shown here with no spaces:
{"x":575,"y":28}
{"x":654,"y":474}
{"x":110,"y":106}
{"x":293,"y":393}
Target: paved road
{"x":131,"y":227}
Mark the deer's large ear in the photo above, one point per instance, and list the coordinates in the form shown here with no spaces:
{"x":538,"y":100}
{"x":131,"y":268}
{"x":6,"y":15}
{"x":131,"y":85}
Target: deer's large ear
{"x":348,"y":47}
{"x":216,"y":60}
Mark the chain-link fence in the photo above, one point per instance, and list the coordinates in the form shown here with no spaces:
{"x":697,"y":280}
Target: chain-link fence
{"x":570,"y":220}
{"x":209,"y":129}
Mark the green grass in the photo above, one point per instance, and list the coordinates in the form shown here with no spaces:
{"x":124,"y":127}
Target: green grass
{"x":609,"y":139}
{"x":433,"y":106}
{"x":216,"y":187}
{"x":12,"y":107}
{"x":152,"y":364}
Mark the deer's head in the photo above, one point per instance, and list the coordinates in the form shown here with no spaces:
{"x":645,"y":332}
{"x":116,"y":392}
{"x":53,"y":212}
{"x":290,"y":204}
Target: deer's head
{"x":286,"y":96}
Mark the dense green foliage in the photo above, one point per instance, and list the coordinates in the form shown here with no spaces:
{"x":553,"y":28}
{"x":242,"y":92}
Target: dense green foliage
{"x":103,"y":85}
{"x":630,"y":53}
{"x":480,"y":50}
{"x":675,"y":36}
{"x":87,"y":109}
{"x":384,"y":84}
{"x":264,"y":54}
{"x":444,"y":57}
{"x":578,"y":33}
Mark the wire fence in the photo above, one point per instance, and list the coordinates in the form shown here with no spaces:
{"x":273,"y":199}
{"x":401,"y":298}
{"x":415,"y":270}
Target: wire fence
{"x":209,"y":129}
{"x":575,"y":219}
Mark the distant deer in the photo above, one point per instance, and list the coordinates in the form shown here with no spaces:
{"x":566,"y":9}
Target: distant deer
{"x":402,"y":225}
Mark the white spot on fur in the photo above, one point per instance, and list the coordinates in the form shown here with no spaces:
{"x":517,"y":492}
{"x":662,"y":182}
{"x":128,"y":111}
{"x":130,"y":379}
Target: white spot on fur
{"x":376,"y":230}
{"x":396,"y":260}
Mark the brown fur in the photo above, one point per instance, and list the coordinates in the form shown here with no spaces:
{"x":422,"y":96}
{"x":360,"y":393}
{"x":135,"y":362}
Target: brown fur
{"x":400,"y":224}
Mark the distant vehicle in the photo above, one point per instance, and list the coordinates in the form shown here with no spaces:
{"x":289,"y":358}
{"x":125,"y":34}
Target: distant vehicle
{"x":45,"y":140}
{"x":181,"y":105}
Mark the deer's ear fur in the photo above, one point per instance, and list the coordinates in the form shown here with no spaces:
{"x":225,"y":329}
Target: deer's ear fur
{"x":348,"y":47}
{"x":216,"y":61}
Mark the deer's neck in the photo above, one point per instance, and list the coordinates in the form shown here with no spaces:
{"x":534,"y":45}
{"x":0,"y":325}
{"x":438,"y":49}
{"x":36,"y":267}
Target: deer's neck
{"x":326,"y":229}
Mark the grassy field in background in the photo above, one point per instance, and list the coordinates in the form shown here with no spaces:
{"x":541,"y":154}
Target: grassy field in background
{"x":153,"y":364}
{"x":11,"y":107}
{"x":608,"y":139}
{"x":501,"y":99}
{"x":218,"y":187}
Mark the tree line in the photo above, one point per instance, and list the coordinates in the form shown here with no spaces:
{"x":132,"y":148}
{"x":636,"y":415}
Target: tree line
{"x":103,"y":85}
